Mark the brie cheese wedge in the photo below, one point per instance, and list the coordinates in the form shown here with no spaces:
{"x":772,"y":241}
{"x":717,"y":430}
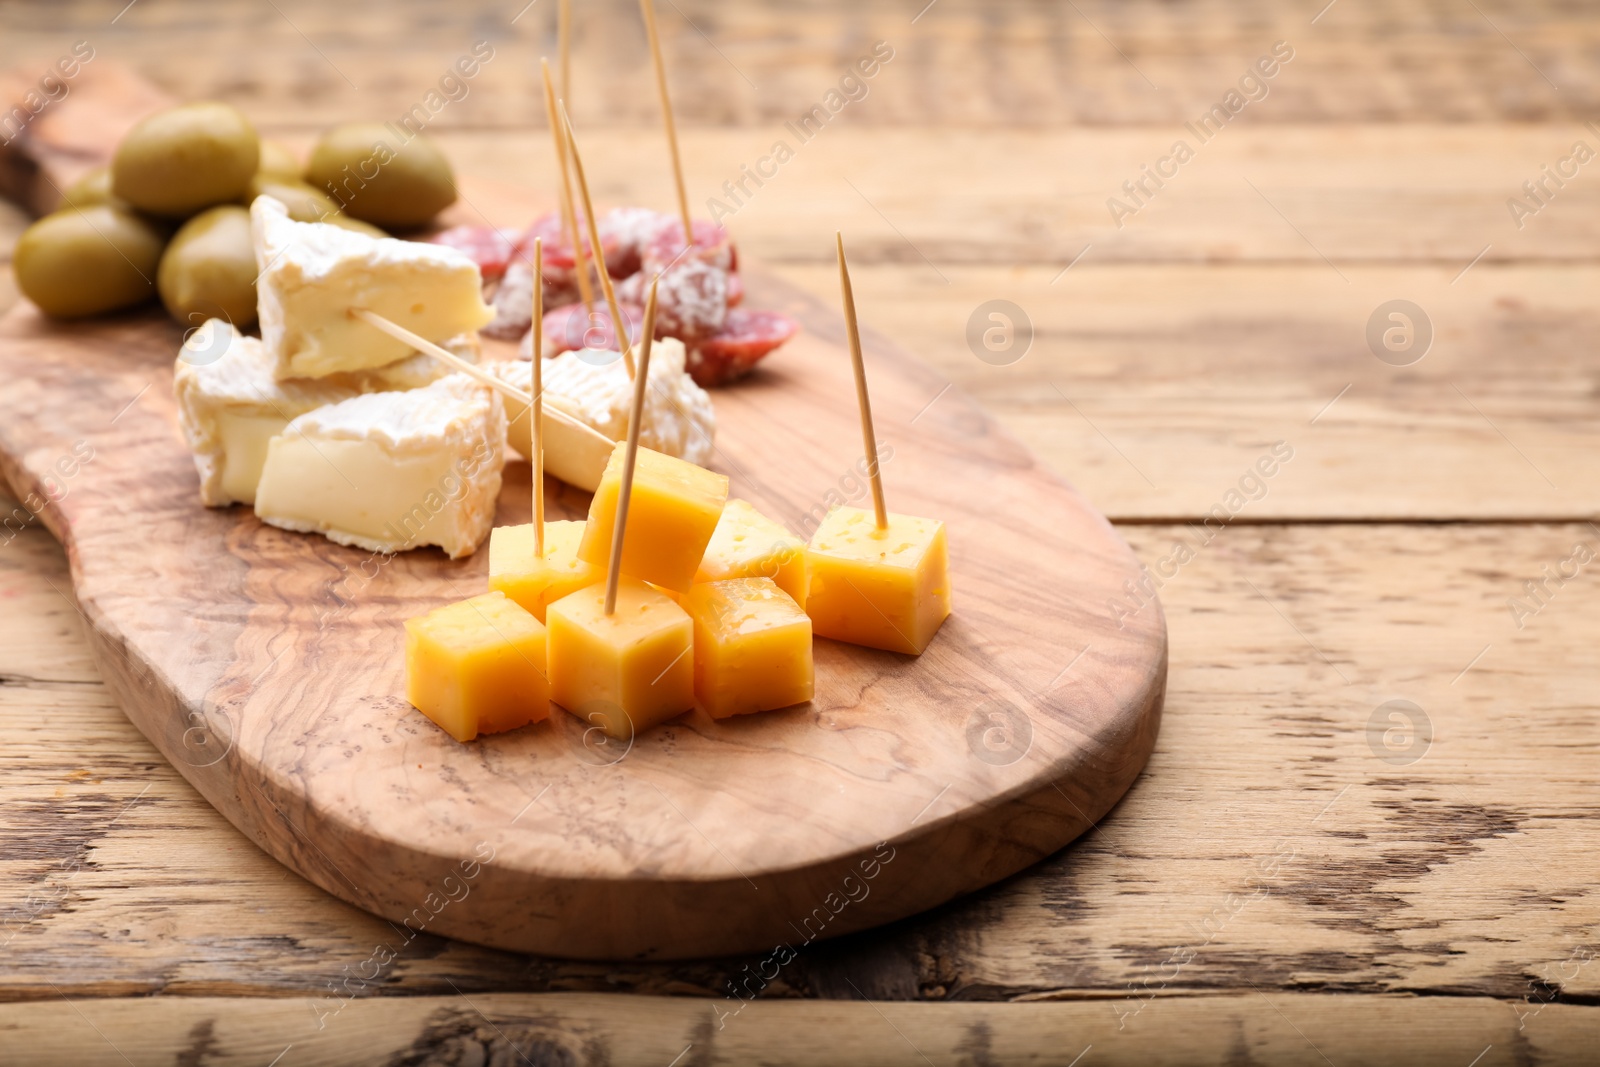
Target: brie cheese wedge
{"x":230,"y":402}
{"x":593,"y":387}
{"x":312,"y":274}
{"x":391,"y":471}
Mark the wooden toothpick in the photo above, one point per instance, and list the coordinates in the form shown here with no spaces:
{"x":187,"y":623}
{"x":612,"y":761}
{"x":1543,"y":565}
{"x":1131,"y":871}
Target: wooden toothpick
{"x":869,"y":440}
{"x":618,"y":323}
{"x":649,"y":10}
{"x":443,"y":355}
{"x":635,"y":417}
{"x":536,"y":409}
{"x":572,"y":427}
{"x":569,"y":220}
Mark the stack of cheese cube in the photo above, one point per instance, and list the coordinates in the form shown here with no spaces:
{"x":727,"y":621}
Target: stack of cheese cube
{"x":327,"y":424}
{"x":716,"y":607}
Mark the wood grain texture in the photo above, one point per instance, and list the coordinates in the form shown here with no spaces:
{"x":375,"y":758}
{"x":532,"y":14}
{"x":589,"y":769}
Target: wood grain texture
{"x":992,"y":142}
{"x":961,"y":63}
{"x":1463,"y":874}
{"x":1297,"y":1030}
{"x":284,"y":707}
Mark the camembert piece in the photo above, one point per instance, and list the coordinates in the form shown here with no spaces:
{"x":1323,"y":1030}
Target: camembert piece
{"x":312,"y":274}
{"x":593,"y":387}
{"x":747,"y":544}
{"x":752,"y":647}
{"x":673,"y":511}
{"x":477,"y":667}
{"x":885,"y":589}
{"x":230,"y":402}
{"x":534,"y":583}
{"x":391,"y":471}
{"x":626,"y":671}
{"x":230,"y":405}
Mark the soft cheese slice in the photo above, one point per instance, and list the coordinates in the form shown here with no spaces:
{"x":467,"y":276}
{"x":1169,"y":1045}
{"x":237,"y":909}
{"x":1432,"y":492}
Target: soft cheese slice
{"x":230,"y":402}
{"x":594,"y":387}
{"x":312,"y":274}
{"x":391,"y":471}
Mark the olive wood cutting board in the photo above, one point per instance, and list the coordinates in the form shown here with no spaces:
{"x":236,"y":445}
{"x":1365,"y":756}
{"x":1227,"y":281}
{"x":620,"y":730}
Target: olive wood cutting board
{"x":268,"y":667}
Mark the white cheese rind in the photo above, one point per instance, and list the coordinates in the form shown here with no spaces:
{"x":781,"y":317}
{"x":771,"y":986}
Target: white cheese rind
{"x":593,"y":387}
{"x":391,"y":471}
{"x":312,"y":274}
{"x":231,"y":403}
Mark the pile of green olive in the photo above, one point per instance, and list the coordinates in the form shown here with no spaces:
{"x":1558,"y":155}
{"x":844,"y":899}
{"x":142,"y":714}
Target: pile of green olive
{"x":170,"y":213}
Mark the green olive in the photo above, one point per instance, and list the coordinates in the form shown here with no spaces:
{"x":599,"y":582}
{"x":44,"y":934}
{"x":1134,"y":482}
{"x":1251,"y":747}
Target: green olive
{"x":80,"y":262}
{"x":93,"y":188}
{"x":278,"y":158}
{"x":185,"y":159}
{"x":381,"y":178}
{"x":305,"y":204}
{"x":209,"y":269}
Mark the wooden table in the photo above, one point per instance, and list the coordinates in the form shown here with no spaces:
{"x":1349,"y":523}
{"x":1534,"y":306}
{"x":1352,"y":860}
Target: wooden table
{"x":1308,"y":872}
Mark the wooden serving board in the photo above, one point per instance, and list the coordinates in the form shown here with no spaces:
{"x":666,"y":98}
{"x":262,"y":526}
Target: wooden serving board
{"x":267,"y":667}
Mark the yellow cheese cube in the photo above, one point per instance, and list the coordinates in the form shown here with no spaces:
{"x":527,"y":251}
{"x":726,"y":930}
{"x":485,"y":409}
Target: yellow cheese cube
{"x":477,"y":667}
{"x":673,"y":511}
{"x":626,"y":671}
{"x":885,"y":589}
{"x":534,"y":583}
{"x":752,"y":647}
{"x":747,"y":544}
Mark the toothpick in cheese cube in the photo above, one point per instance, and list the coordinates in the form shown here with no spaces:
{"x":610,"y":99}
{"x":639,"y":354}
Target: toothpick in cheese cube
{"x":231,"y":403}
{"x":626,"y":671}
{"x":391,"y":471}
{"x":752,"y":647}
{"x":674,"y":510}
{"x":312,"y":274}
{"x":535,"y":583}
{"x":747,"y":544}
{"x":883,"y":588}
{"x":477,"y":667}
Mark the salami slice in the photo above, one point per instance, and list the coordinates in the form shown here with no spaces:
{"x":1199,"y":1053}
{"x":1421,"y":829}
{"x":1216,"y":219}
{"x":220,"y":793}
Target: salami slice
{"x":574,"y":327}
{"x":560,"y":265}
{"x":745,"y":337}
{"x":735,"y":289}
{"x":712,"y":245}
{"x":491,"y":248}
{"x":626,"y":231}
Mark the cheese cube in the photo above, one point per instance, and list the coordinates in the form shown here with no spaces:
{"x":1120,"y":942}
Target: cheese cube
{"x":534,"y":583}
{"x":752,"y":647}
{"x":885,"y":589}
{"x":673,"y":511}
{"x":231,"y":404}
{"x":391,"y":471}
{"x":627,"y":671}
{"x":477,"y":667}
{"x":313,"y":273}
{"x":747,"y":544}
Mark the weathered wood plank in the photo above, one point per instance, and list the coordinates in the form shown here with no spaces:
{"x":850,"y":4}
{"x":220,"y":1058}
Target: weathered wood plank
{"x":597,"y":1031}
{"x":962,"y":62}
{"x":1269,"y":842}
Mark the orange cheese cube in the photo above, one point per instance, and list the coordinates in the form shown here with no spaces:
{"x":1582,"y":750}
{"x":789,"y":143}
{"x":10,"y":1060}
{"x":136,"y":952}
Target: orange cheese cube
{"x":752,"y":647}
{"x":477,"y":666}
{"x":626,"y":671}
{"x":885,"y":589}
{"x":673,"y":511}
{"x":534,"y":583}
{"x":747,"y":544}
